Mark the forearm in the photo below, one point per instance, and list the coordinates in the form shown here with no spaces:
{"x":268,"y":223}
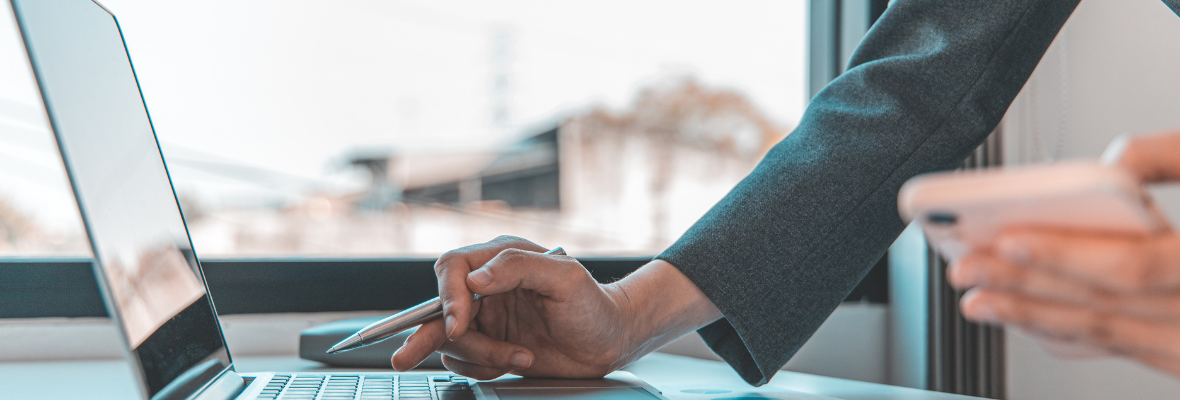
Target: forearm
{"x":780,"y":252}
{"x":661,"y":305}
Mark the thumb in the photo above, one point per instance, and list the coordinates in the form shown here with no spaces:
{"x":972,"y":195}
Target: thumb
{"x":1152,"y":158}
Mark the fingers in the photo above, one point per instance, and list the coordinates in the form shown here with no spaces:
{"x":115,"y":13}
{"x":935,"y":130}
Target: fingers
{"x":559,"y":277}
{"x":995,"y":274}
{"x":475,"y":354}
{"x":1151,"y":157}
{"x":1118,"y":263}
{"x":991,"y":272}
{"x":452,"y":269}
{"x":428,"y":338}
{"x":1127,"y":335}
{"x":484,"y":358}
{"x":977,"y":269}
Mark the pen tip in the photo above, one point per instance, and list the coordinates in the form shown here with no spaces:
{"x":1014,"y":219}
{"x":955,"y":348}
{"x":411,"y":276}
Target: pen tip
{"x":349,"y":343}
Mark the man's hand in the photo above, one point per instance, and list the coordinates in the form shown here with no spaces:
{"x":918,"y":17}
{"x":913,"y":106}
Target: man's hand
{"x":547,"y":317}
{"x":1113,"y":294}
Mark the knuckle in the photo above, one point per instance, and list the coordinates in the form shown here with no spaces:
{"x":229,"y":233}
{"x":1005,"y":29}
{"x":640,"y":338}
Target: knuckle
{"x":571,"y":268}
{"x":513,"y":255}
{"x":508,"y":239}
{"x":428,"y":335}
{"x":575,"y":281}
{"x":582,"y":277}
{"x":444,"y":261}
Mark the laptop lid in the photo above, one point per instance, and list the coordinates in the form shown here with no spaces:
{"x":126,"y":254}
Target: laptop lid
{"x":149,"y":276}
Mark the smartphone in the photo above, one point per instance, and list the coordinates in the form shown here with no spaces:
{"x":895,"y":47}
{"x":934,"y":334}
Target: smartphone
{"x":964,"y":210}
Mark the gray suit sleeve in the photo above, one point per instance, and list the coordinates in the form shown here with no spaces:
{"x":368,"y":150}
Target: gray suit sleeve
{"x":930,"y":80}
{"x":1174,"y":5}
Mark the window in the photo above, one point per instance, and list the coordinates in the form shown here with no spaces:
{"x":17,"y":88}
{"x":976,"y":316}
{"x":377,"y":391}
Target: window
{"x":374,"y":135}
{"x":408,"y":128}
{"x":38,"y":215}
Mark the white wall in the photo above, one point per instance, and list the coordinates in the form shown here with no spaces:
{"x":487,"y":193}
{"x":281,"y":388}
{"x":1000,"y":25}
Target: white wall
{"x":1113,"y":70}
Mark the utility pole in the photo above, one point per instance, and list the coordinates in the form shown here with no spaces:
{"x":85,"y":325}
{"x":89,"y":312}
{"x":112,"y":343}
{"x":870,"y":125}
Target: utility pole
{"x":501,"y":66}
{"x":471,"y":189}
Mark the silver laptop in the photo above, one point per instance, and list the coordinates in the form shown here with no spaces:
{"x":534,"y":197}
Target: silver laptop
{"x":150,"y":277}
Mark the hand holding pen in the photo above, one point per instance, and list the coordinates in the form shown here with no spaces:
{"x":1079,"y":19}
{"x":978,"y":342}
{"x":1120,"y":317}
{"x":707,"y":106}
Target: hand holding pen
{"x":548,"y":316}
{"x":414,"y":316}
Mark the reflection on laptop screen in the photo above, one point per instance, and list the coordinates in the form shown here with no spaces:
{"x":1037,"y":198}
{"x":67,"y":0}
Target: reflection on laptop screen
{"x":150,"y":277}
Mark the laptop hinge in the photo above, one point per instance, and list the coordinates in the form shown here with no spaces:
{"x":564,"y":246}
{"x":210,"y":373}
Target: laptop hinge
{"x":225,"y":387}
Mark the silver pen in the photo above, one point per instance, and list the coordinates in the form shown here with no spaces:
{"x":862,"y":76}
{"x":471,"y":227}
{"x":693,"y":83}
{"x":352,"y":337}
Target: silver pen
{"x":396,"y":323}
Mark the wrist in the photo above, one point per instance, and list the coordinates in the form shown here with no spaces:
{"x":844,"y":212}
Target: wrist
{"x":658,"y":304}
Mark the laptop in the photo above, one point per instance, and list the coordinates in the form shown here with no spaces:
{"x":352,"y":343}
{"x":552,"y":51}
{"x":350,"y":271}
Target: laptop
{"x":148,"y":272}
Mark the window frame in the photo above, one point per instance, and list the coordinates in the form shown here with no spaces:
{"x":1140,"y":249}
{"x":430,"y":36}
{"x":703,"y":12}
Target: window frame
{"x":66,"y":287}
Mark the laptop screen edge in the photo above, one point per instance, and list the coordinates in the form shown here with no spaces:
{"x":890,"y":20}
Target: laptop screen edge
{"x":225,"y":377}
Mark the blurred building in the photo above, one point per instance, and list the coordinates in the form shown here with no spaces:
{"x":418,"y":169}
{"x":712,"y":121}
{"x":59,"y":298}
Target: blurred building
{"x":601,"y":182}
{"x":22,"y":235}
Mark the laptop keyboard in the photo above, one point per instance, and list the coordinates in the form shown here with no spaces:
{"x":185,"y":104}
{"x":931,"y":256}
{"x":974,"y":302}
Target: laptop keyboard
{"x":367,"y":387}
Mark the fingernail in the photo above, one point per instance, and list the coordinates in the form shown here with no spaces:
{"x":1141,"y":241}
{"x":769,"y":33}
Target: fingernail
{"x":521,"y":360}
{"x":1015,"y":250}
{"x":450,"y":323}
{"x":481,"y":277}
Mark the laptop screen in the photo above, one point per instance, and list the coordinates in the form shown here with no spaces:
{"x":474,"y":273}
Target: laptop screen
{"x":149,"y":275}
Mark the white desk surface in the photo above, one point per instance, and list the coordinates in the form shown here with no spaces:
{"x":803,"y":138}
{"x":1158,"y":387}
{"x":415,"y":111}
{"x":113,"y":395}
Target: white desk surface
{"x":112,"y":379}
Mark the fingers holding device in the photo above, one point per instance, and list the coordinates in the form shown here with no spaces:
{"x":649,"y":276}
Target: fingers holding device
{"x":1074,"y":254}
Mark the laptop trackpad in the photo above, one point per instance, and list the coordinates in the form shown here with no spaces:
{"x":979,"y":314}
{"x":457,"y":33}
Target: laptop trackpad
{"x":574,"y":393}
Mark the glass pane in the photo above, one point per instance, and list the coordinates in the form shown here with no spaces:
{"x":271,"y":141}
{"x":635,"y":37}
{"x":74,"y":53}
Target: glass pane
{"x":408,"y":128}
{"x":38,"y":215}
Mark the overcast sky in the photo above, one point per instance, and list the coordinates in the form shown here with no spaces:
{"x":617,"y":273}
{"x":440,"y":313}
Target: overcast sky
{"x":295,"y":85}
